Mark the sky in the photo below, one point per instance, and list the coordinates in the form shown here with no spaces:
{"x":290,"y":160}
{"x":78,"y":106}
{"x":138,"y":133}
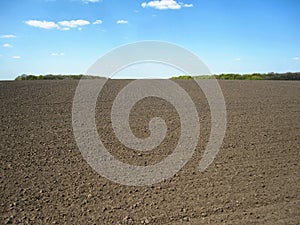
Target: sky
{"x":68,"y":36}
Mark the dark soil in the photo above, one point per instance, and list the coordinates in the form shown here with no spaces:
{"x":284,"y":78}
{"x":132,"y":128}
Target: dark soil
{"x":254,"y":179}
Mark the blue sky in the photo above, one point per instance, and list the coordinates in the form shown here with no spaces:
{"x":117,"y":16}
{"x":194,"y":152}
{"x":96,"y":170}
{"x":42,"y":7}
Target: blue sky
{"x":68,"y":36}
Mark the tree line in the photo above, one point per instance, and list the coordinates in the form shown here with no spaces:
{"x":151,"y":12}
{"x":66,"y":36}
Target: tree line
{"x":253,"y":76}
{"x":230,"y":76}
{"x":55,"y":77}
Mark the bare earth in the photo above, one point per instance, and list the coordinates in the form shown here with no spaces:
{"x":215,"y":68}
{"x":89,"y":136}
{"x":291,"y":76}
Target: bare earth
{"x":254,"y":179}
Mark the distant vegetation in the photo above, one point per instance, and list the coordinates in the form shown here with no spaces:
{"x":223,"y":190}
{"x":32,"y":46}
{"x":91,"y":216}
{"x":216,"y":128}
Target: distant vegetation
{"x":55,"y":77}
{"x":231,"y":76}
{"x":254,"y":76}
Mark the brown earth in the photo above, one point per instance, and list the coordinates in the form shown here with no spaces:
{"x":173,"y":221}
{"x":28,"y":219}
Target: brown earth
{"x":254,"y":179}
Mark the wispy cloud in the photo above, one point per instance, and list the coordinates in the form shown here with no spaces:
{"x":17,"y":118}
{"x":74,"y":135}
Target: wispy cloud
{"x":16,"y":57}
{"x":73,"y":23}
{"x":296,"y":59}
{"x":7,"y":45}
{"x":237,"y":59}
{"x":57,"y":54}
{"x":188,"y":5}
{"x":42,"y":24}
{"x":8,"y":36}
{"x":98,"y":22}
{"x":122,"y":21}
{"x":61,"y":25}
{"x":166,"y":4}
{"x":90,"y":1}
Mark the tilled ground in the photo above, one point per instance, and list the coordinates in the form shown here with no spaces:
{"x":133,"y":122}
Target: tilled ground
{"x":254,"y":179}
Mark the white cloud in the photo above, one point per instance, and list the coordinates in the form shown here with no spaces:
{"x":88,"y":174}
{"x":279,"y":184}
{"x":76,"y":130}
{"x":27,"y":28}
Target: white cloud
{"x":16,"y":57}
{"x":7,"y":45}
{"x":73,"y":23}
{"x":188,"y":5}
{"x":42,"y":24}
{"x":57,"y":54}
{"x":165,"y":4}
{"x":98,"y":22}
{"x":90,"y":1}
{"x":296,"y":58}
{"x":122,"y":22}
{"x":8,"y":36}
{"x":61,"y":25}
{"x":237,"y":59}
{"x":64,"y":28}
